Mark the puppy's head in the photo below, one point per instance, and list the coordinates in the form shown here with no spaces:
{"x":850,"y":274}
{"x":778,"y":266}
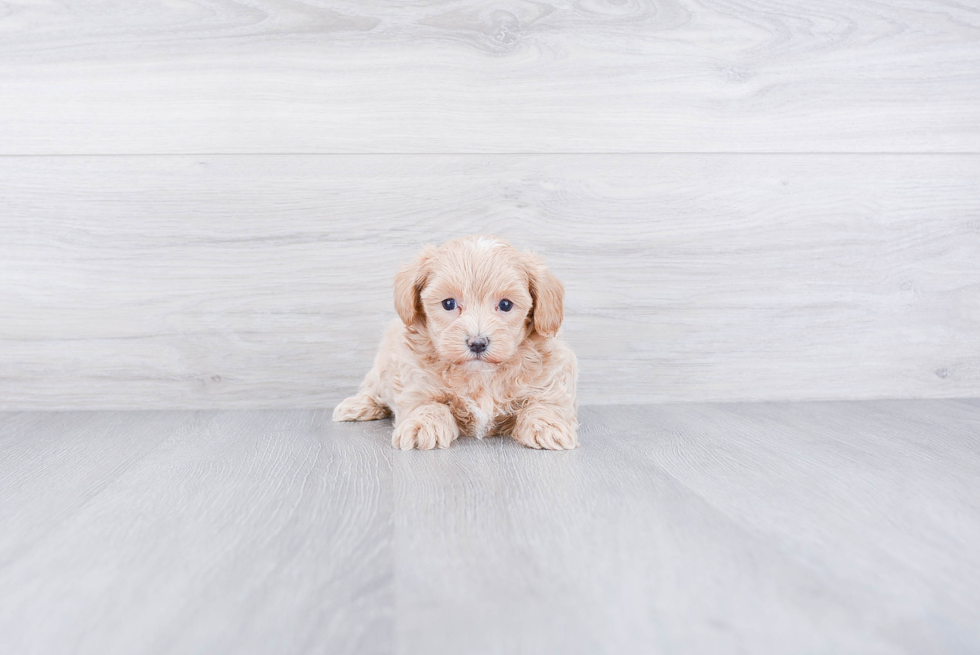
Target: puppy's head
{"x":478,"y":299}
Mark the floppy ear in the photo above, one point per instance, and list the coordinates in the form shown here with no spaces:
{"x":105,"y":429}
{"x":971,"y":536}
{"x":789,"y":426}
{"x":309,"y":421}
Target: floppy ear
{"x":548,"y":295}
{"x":409,"y":282}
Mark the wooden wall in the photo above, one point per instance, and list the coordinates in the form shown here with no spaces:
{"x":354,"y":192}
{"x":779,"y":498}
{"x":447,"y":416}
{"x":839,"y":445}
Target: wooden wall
{"x":202,"y":204}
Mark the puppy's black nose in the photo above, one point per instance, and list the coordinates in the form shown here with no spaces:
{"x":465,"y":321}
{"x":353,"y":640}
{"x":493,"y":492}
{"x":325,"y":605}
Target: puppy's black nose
{"x":477,"y":344}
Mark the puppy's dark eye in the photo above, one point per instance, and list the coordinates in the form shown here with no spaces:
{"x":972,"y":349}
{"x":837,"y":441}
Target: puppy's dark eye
{"x":505,"y":305}
{"x":449,"y":304}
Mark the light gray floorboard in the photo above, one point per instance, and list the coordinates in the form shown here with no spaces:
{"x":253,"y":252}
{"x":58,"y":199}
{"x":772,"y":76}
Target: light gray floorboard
{"x":265,"y":281}
{"x":503,"y":76}
{"x":227,"y":533}
{"x":702,"y":528}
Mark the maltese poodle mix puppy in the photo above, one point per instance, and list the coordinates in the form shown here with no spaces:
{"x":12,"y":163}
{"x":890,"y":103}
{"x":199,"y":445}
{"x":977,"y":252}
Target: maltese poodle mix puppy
{"x":475,"y":353}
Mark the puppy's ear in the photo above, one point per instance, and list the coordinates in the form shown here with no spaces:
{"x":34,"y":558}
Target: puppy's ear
{"x":548,"y":295}
{"x":409,"y":282}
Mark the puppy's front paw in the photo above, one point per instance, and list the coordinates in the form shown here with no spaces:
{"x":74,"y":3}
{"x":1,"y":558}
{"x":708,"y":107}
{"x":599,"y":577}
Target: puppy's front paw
{"x":428,"y":427}
{"x":545,"y":431}
{"x":360,"y":407}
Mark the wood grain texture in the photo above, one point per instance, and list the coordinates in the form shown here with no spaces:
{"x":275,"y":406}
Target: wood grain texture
{"x":156,"y":282}
{"x":763,"y":528}
{"x":192,"y":533}
{"x":700,"y":528}
{"x":509,"y":76}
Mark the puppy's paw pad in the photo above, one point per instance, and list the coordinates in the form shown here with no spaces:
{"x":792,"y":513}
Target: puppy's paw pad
{"x":359,"y":408}
{"x":547,"y":435}
{"x":423,"y":434}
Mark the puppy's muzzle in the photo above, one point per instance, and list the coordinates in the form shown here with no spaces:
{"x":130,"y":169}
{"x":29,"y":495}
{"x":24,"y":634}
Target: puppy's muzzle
{"x":477,"y":344}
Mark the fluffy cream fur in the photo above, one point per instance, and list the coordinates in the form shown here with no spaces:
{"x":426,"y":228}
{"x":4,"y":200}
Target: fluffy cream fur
{"x":425,"y":373}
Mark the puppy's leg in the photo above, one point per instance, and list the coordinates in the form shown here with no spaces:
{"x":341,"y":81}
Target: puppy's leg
{"x":364,"y":405}
{"x":427,"y":426}
{"x":359,"y":407}
{"x":551,"y":427}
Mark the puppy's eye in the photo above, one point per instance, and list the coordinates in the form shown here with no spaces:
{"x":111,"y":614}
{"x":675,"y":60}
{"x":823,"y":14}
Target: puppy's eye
{"x":449,"y":304}
{"x":505,"y":305}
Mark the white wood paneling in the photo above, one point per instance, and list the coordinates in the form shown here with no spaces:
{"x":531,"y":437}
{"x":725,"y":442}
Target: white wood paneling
{"x":510,"y":76}
{"x":264,"y":281}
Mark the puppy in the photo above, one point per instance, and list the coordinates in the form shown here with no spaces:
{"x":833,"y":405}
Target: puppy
{"x":476,"y":352}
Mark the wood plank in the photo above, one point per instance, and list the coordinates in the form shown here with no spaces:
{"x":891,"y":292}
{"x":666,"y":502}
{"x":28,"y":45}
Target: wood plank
{"x":679,"y":527}
{"x":245,"y":282}
{"x":344,"y":76}
{"x":886,"y":482}
{"x":247,"y":533}
{"x":696,"y":528}
{"x":88,"y":454}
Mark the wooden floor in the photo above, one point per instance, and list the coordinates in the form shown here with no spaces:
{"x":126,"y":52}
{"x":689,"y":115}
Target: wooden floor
{"x":685,"y":528}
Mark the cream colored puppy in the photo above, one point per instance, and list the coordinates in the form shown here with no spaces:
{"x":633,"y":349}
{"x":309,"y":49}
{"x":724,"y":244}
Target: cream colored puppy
{"x":475,"y":352}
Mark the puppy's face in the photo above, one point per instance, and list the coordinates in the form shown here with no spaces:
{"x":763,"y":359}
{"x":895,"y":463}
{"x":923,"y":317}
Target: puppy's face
{"x":478,"y":299}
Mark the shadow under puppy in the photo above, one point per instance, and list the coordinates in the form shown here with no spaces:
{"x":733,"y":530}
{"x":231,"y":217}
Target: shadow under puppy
{"x":476,"y":352}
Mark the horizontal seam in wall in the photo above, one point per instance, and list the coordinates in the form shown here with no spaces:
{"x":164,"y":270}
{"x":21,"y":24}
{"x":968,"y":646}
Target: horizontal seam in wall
{"x":487,"y":154}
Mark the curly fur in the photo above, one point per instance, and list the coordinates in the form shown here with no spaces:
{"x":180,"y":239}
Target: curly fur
{"x":425,"y":374}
